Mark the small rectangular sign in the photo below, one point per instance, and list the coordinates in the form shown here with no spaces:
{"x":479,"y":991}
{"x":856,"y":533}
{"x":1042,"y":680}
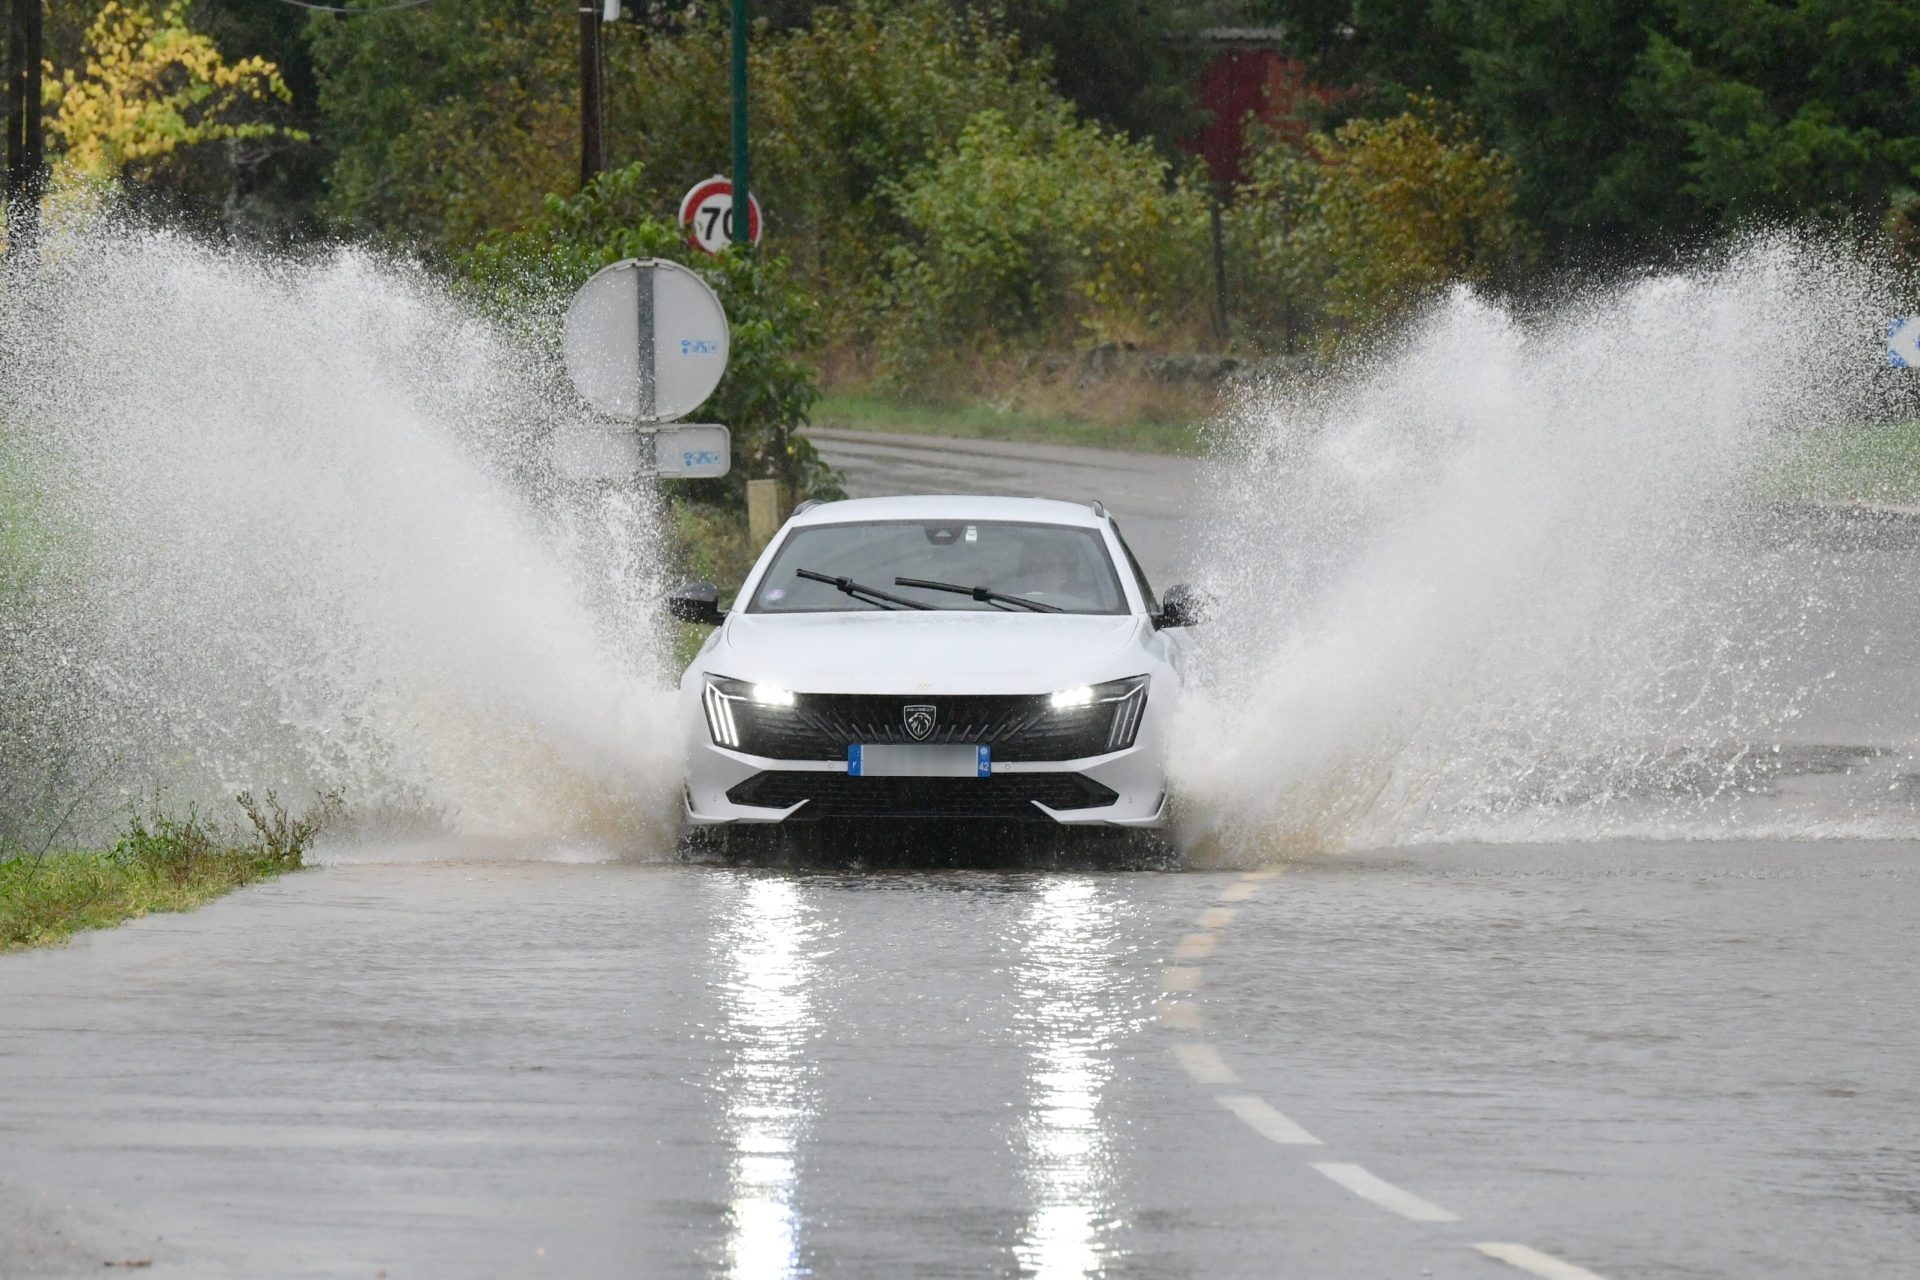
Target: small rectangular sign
{"x":918,"y":762}
{"x":692,"y":451}
{"x":621,"y":451}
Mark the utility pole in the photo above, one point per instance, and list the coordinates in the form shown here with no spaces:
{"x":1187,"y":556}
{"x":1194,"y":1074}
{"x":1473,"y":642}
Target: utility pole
{"x":742,"y":195}
{"x":26,"y":140}
{"x":593,"y":151}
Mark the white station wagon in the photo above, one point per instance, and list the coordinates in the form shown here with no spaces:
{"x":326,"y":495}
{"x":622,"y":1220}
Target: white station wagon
{"x":935,"y":658}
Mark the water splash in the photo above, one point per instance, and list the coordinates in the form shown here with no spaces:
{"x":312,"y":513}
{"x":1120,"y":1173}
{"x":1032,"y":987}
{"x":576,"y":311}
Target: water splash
{"x":1507,"y":578}
{"x":293,"y":529}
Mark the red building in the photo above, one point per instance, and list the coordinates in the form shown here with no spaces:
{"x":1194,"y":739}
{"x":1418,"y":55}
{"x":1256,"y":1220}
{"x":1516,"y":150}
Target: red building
{"x":1249,"y":77}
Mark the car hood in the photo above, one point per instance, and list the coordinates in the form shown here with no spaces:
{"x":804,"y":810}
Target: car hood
{"x":950,"y":651}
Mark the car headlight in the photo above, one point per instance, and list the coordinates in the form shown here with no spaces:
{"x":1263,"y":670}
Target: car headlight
{"x":723,"y":694}
{"x":1127,"y":699}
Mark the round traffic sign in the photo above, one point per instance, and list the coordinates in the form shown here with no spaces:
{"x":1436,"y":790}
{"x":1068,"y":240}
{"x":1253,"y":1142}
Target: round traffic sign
{"x":646,"y":339}
{"x":707,"y":214}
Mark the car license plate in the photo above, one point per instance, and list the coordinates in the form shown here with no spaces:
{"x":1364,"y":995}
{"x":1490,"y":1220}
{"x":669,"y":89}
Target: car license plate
{"x":943,"y":761}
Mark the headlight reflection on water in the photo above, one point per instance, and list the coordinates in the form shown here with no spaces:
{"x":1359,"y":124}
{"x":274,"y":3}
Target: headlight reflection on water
{"x":1065,"y":982}
{"x":770,"y":1100}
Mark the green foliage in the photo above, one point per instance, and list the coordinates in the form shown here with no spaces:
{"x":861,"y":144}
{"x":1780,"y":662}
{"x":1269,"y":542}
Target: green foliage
{"x":1639,"y":123}
{"x":446,"y":121}
{"x":1133,"y":65}
{"x":453,"y":121}
{"x":768,"y":391}
{"x":1362,"y":223}
{"x":841,"y":110}
{"x":1804,"y":110}
{"x":1039,"y":231}
{"x":161,"y":862}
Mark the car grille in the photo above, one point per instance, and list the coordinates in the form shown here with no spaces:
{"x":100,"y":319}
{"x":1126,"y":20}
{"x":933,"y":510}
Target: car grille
{"x":821,"y":726}
{"x":1005,"y":795}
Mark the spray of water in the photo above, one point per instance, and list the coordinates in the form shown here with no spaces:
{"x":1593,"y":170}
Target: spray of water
{"x":1506,"y":579}
{"x":292,"y":529}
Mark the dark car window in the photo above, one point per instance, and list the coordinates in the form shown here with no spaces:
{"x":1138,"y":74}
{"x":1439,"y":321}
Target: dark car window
{"x":1139,"y":574}
{"x":1066,"y":566}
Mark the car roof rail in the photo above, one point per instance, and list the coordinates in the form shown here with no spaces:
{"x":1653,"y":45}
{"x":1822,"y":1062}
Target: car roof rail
{"x":808,"y":505}
{"x":1099,"y":508}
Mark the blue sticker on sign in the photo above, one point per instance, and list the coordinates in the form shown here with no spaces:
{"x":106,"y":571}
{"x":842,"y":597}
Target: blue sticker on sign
{"x":985,"y":762}
{"x":853,"y":760}
{"x":699,"y":347}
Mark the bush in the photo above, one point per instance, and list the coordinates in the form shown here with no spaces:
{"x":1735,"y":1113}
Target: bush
{"x":1355,"y":227}
{"x":768,"y":391}
{"x":1039,"y":233}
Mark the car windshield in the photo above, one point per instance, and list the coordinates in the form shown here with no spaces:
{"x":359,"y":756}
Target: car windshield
{"x":1063,"y":566}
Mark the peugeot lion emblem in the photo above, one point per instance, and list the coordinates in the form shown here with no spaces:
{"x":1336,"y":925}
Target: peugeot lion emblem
{"x":919,"y":721}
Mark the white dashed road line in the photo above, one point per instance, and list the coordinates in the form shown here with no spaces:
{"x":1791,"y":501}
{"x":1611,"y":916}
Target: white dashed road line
{"x":1265,"y":1121}
{"x":1204,"y":1063}
{"x":1181,"y":978}
{"x":1385,"y":1194}
{"x":1195,"y":946}
{"x":1544,"y":1265}
{"x":1182,"y":1015}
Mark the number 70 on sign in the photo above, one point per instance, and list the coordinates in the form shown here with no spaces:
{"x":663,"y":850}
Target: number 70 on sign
{"x":707,"y":214}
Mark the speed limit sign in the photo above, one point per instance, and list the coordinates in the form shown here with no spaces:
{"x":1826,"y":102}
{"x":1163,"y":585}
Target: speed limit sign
{"x":707,"y":214}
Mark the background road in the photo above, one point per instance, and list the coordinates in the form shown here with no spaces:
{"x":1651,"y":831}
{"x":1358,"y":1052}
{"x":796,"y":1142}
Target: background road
{"x":1151,"y":496}
{"x":1625,"y":1060}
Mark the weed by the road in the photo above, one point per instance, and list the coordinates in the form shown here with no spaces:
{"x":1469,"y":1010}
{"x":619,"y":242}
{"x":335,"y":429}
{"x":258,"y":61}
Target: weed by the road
{"x":1877,"y":462}
{"x":160,"y":863}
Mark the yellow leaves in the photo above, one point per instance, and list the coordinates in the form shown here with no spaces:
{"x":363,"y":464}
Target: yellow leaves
{"x":149,"y":85}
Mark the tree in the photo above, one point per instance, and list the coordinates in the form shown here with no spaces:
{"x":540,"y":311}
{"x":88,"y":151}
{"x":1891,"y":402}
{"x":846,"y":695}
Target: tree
{"x":447,"y":122}
{"x":1635,"y":124}
{"x":148,"y":87}
{"x":1803,"y":110}
{"x":1361,"y":224}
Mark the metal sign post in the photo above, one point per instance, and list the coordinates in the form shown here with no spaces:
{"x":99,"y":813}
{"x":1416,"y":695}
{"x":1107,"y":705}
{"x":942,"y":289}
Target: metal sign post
{"x":646,"y":343}
{"x":26,"y":136}
{"x":742,"y":187}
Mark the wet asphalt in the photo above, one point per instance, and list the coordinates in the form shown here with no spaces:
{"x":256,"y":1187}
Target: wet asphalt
{"x":1599,"y":1059}
{"x":1651,"y":1060}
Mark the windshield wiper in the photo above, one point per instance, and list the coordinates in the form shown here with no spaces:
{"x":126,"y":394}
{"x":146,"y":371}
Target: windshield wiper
{"x":861,"y":592}
{"x":985,"y":595}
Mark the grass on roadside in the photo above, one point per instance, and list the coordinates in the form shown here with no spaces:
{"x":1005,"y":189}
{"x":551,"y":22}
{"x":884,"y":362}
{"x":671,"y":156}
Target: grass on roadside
{"x":1878,"y":462}
{"x":986,"y":422}
{"x":160,"y":863}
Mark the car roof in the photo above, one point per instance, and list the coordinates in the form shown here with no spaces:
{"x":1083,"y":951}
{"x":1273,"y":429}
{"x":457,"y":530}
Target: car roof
{"x":949,"y":507}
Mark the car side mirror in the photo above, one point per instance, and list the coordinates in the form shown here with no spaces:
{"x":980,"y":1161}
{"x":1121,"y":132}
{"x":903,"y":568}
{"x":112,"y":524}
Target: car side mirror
{"x":698,"y":603}
{"x":1180,"y":607}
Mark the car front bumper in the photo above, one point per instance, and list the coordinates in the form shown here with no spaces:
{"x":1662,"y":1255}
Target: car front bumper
{"x":1120,"y":789}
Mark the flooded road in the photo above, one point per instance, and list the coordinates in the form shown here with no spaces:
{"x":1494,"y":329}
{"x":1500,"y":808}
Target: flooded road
{"x":1509,"y":629}
{"x":1644,"y":1060}
{"x":1568,"y":1058}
